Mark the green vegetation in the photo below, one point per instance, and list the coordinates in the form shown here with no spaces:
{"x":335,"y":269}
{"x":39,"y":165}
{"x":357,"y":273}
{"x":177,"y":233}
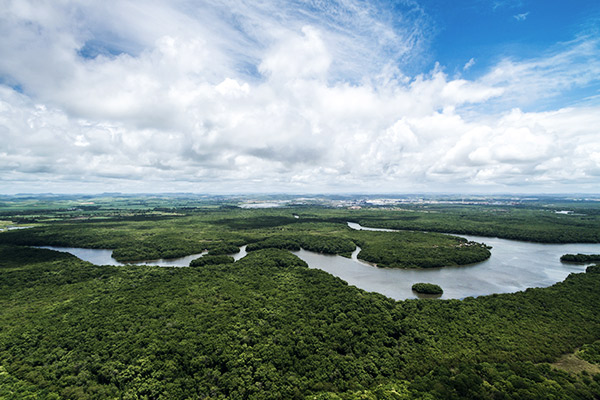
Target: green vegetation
{"x":223,"y":231}
{"x":580,"y":258}
{"x":13,"y":388}
{"x":427,"y":288}
{"x":590,"y":352}
{"x":211,"y":260}
{"x":317,"y":243}
{"x":535,"y":224}
{"x":222,"y":248}
{"x":268,"y":327}
{"x":593,"y":269}
{"x":418,"y":249}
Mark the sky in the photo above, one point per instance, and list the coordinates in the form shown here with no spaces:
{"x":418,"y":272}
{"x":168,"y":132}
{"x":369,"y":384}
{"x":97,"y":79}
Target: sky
{"x":300,"y":96}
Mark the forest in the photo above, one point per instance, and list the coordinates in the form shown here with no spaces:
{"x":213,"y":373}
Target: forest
{"x":427,"y":288}
{"x":222,"y":231}
{"x":580,"y":258}
{"x":269,"y":327}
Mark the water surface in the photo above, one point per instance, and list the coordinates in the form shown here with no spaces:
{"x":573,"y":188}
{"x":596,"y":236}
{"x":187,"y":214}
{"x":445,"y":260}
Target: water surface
{"x":14,"y":228}
{"x":513,"y":266}
{"x":104,"y":257}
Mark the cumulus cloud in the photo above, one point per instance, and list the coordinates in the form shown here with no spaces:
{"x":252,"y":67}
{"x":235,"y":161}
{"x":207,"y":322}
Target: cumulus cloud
{"x":259,"y":96}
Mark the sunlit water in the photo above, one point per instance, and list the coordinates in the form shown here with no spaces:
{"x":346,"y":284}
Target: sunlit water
{"x":513,"y":266}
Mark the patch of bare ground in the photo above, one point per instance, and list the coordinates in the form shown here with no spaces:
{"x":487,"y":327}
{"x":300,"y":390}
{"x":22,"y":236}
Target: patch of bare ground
{"x":575,"y":365}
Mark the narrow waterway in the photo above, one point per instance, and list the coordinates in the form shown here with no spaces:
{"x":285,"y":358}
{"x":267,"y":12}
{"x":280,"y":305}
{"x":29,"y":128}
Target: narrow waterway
{"x":104,"y":257}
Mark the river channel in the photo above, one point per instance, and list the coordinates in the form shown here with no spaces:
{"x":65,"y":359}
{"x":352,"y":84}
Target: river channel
{"x":104,"y":257}
{"x":513,"y":266}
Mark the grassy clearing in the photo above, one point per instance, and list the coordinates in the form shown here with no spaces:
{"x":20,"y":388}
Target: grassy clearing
{"x":573,"y":364}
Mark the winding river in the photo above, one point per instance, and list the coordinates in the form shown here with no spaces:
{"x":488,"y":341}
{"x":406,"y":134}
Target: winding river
{"x":513,"y":266}
{"x":104,"y":257}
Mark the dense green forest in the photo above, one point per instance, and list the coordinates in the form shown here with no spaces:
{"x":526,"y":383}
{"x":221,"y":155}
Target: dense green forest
{"x":427,"y":288}
{"x":590,"y":352}
{"x":580,"y":258}
{"x":267,"y":326}
{"x":221,"y":232}
{"x":535,"y":225}
{"x":211,"y":259}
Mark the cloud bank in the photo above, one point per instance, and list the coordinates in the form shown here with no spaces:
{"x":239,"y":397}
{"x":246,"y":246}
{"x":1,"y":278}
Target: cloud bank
{"x":300,"y":96}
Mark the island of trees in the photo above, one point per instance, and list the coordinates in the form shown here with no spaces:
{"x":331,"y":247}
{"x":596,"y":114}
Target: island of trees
{"x":427,"y":288}
{"x":580,"y":258}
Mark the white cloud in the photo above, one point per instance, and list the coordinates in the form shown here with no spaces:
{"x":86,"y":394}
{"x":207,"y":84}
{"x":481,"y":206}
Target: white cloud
{"x":298,"y":57}
{"x":469,"y":64}
{"x":570,"y":66}
{"x":521,"y":17}
{"x":281,"y":99}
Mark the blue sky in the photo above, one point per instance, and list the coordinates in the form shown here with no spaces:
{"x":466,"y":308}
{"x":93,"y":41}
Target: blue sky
{"x":488,"y":31}
{"x":475,"y":96}
{"x":473,"y":35}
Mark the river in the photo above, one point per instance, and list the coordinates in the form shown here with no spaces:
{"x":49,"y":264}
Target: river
{"x":513,"y":266}
{"x":104,"y":257}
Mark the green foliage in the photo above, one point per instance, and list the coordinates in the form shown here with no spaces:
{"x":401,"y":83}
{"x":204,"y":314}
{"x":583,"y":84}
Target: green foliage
{"x":418,"y":249}
{"x":268,"y":327}
{"x":590,"y":352}
{"x":317,"y":243}
{"x":390,"y":391}
{"x":427,"y":288}
{"x":132,"y":240}
{"x":12,"y":388}
{"x":517,"y":223}
{"x":529,"y":220}
{"x":211,"y":259}
{"x":275,"y":242}
{"x":189,"y":231}
{"x":514,"y":380}
{"x":580,"y":258}
{"x":222,"y":248}
{"x":256,"y":221}
{"x":593,"y":269}
{"x":327,"y":244}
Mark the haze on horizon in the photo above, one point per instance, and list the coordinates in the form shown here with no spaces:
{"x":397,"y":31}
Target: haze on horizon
{"x":301,"y":96}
